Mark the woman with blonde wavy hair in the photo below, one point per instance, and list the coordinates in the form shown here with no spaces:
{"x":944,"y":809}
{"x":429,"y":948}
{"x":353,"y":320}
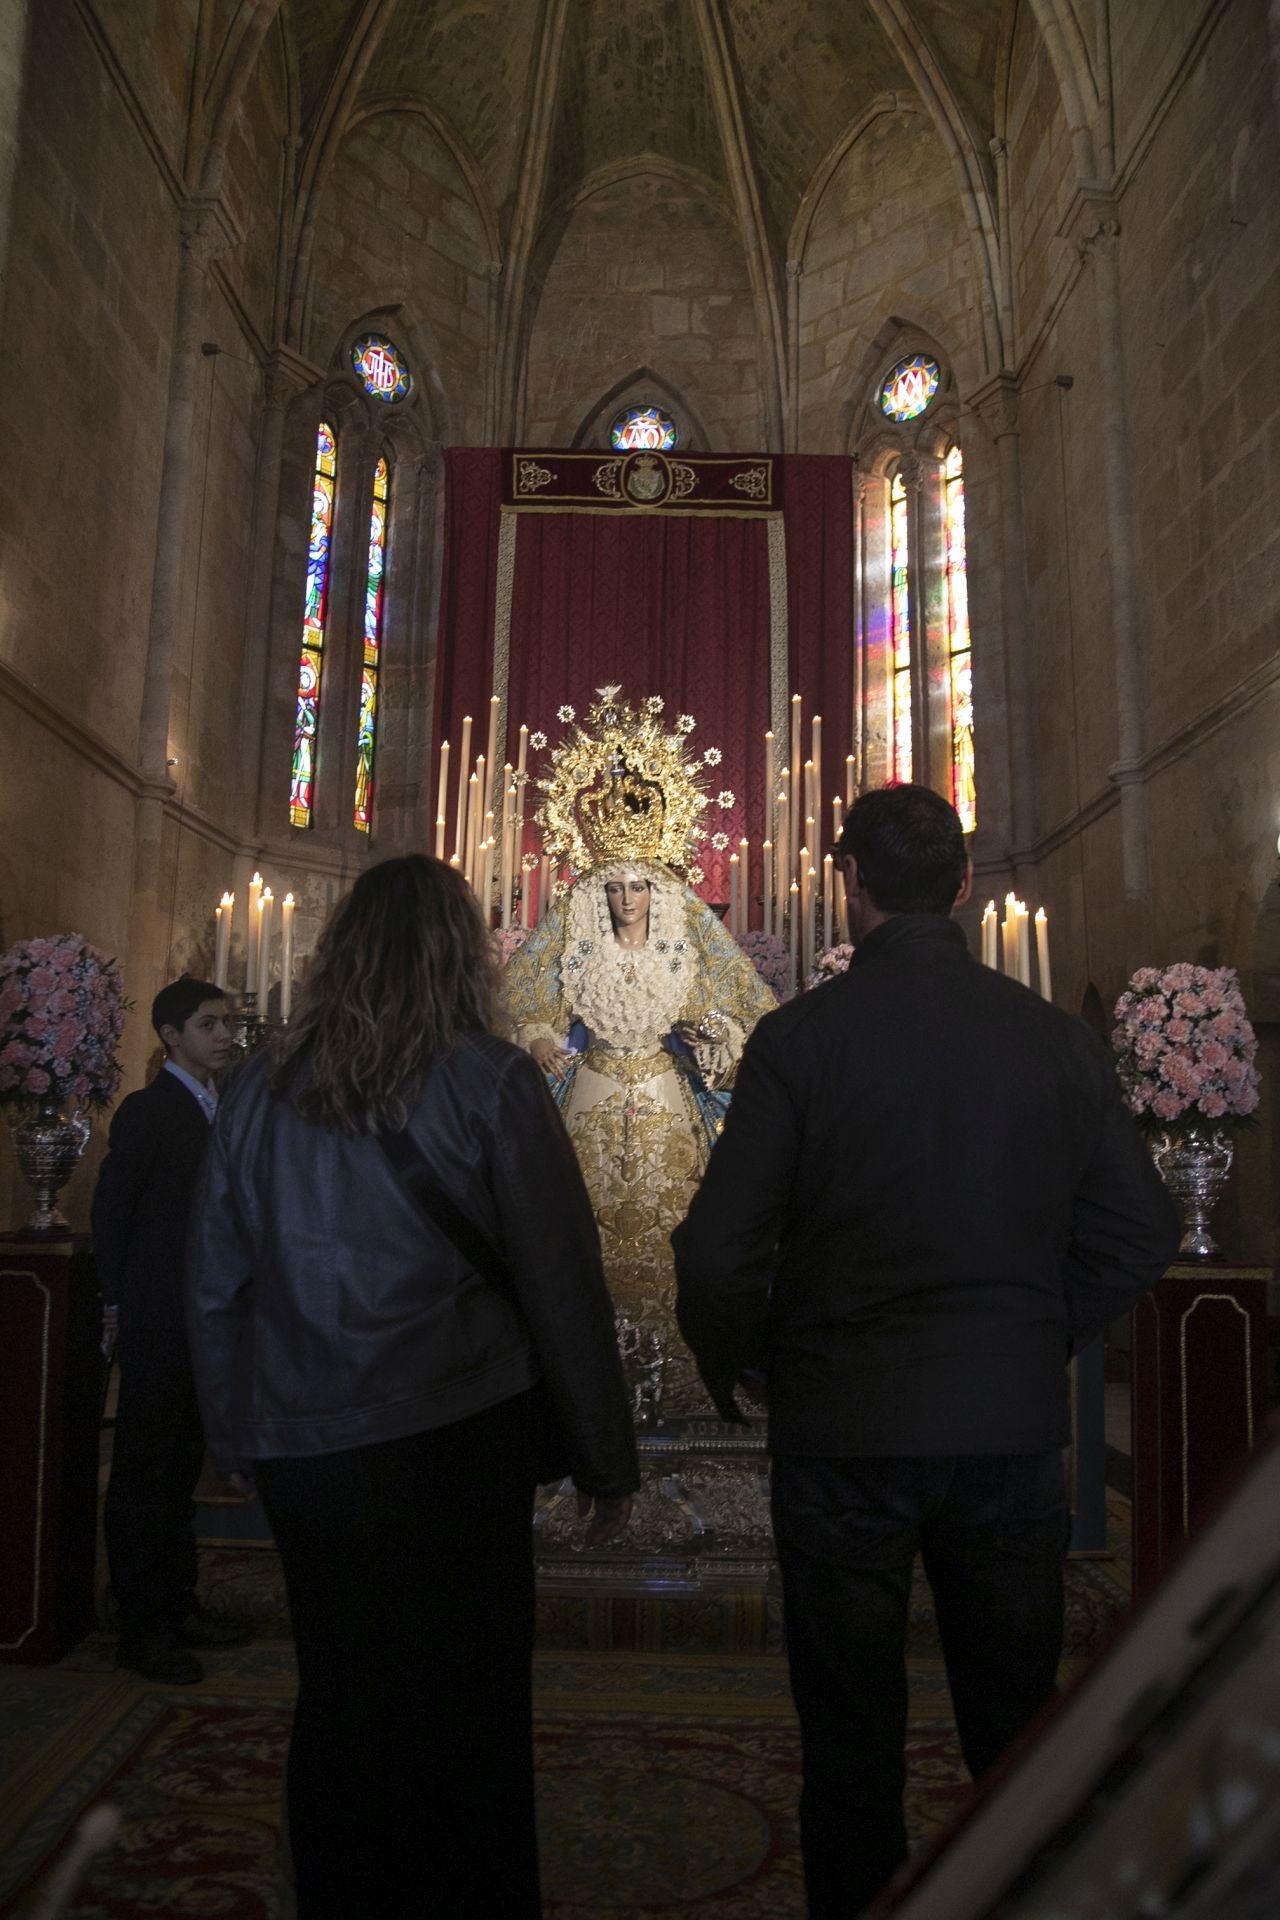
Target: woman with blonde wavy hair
{"x":399,"y":1323}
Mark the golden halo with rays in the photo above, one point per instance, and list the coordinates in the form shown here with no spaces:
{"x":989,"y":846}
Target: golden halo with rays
{"x":624,"y":786}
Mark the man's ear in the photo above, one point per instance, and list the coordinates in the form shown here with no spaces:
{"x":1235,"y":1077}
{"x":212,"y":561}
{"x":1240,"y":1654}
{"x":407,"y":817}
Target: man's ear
{"x":849,"y":868}
{"x":168,"y":1035}
{"x":966,"y":885}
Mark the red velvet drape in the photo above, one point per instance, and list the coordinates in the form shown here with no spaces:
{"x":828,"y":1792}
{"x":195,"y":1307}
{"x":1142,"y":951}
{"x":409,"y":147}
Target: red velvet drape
{"x":672,"y":606}
{"x":667,"y":604}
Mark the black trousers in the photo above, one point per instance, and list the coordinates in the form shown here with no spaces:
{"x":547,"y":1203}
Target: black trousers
{"x":993,"y":1534}
{"x":409,"y":1567}
{"x":156,"y":1455}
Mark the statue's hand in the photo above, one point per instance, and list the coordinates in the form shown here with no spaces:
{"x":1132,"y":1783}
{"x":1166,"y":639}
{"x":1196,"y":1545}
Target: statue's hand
{"x":551,"y":1057}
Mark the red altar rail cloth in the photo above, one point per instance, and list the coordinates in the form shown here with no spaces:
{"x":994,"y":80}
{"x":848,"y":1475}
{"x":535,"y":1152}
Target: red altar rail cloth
{"x":51,"y":1376}
{"x":695,"y":483}
{"x":1198,"y":1378}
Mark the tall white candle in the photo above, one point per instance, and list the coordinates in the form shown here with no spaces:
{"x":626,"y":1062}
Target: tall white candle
{"x":222,"y":938}
{"x":744,"y":884}
{"x":793,"y":907}
{"x":266,"y":909}
{"x":810,"y":803}
{"x":848,"y":780}
{"x":796,"y":790}
{"x":286,"y":956}
{"x":1042,"y":953}
{"x":828,"y":901}
{"x":766,"y":889}
{"x":815,"y":748}
{"x":505,"y":845}
{"x":491,"y":748}
{"x":479,"y":806}
{"x":735,"y":925}
{"x":989,"y":935}
{"x":837,"y":819}
{"x":526,"y":895}
{"x":486,"y":872}
{"x":1009,"y":936}
{"x":842,"y":910}
{"x":464,"y":790}
{"x":782,"y":848}
{"x":811,"y":914}
{"x":471,"y":814}
{"x":251,"y":935}
{"x":795,"y":762}
{"x":769,"y":784}
{"x":1024,"y":944}
{"x":442,"y":798}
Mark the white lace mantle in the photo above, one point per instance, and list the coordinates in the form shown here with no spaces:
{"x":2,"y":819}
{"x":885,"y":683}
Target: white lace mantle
{"x":628,"y":996}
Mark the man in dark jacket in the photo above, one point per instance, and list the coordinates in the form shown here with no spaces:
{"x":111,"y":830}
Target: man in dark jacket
{"x":141,"y":1207}
{"x":927,"y":1195}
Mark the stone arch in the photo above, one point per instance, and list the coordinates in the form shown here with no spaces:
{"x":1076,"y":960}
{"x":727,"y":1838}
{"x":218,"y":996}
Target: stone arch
{"x":640,"y":385}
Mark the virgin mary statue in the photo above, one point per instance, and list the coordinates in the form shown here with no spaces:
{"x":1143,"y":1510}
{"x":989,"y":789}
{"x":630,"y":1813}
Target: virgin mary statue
{"x":636,"y":1003}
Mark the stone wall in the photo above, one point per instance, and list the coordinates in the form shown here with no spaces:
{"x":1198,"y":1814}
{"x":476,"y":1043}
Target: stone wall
{"x":647,"y":271}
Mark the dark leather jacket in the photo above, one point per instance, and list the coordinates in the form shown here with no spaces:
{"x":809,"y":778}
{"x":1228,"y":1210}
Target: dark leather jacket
{"x":327,"y":1311}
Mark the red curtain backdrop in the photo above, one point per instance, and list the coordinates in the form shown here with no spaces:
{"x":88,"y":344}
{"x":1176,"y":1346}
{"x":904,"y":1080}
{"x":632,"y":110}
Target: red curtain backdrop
{"x":671,"y":606}
{"x":659,"y":603}
{"x":464,"y":644}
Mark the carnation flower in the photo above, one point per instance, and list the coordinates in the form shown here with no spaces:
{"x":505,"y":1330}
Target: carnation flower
{"x":1185,"y":1047}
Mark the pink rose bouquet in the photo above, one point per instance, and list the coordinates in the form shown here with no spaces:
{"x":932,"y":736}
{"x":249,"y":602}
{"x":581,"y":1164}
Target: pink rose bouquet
{"x":768,"y":955}
{"x":829,"y":963}
{"x":1186,"y":1049}
{"x":62,"y":1011}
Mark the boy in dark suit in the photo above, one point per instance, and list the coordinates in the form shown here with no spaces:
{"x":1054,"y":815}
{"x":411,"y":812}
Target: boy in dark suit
{"x":140,"y":1211}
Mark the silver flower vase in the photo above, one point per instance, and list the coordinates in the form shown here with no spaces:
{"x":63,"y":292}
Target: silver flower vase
{"x":48,"y":1145}
{"x":1194,"y":1166}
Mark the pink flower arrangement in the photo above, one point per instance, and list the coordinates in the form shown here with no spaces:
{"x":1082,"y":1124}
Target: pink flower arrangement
{"x":1186,"y":1049}
{"x":62,"y":1011}
{"x":768,"y":955}
{"x":507,"y":940}
{"x":829,"y":963}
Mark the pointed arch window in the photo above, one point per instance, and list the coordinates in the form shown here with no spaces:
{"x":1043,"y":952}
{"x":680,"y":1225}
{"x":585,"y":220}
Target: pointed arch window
{"x":899,"y":630}
{"x":959,"y":649}
{"x":314,"y":619}
{"x":375,"y":577}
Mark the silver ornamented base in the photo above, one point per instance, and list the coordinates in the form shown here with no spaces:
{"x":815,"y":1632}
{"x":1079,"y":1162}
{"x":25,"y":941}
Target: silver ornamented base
{"x":1194,"y":1166}
{"x":47,"y":1146}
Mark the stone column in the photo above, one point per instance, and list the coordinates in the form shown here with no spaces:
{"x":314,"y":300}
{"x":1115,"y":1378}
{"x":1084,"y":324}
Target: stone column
{"x":206,"y":230}
{"x":997,"y":402}
{"x":13,"y":63}
{"x":1099,"y":245}
{"x":795,"y":269}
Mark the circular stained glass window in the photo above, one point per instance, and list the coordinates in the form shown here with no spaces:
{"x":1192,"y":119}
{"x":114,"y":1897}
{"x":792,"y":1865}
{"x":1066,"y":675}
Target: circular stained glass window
{"x":647,"y":428}
{"x":909,"y":388}
{"x":381,"y":368}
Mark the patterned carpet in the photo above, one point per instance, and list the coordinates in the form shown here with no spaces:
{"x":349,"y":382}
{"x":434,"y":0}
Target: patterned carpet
{"x":658,"y":1770}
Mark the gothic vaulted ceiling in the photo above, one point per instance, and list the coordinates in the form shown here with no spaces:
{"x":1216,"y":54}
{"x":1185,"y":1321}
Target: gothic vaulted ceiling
{"x":710,"y":87}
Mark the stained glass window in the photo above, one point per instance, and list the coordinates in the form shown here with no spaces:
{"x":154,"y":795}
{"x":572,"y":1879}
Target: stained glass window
{"x":909,"y":388}
{"x":374,"y":578}
{"x":381,"y":367}
{"x":900,"y":624}
{"x":959,"y":651}
{"x":315,"y":613}
{"x":643,"y":427}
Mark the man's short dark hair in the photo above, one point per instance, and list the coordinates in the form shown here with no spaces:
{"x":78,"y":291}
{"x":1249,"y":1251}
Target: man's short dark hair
{"x":909,"y":846}
{"x":174,"y":1005}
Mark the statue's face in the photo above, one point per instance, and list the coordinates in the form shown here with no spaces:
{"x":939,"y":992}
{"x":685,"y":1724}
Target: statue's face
{"x":628,"y":901}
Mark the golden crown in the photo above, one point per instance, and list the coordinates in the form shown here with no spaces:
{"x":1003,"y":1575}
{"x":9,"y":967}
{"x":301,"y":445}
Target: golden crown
{"x":624,"y":786}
